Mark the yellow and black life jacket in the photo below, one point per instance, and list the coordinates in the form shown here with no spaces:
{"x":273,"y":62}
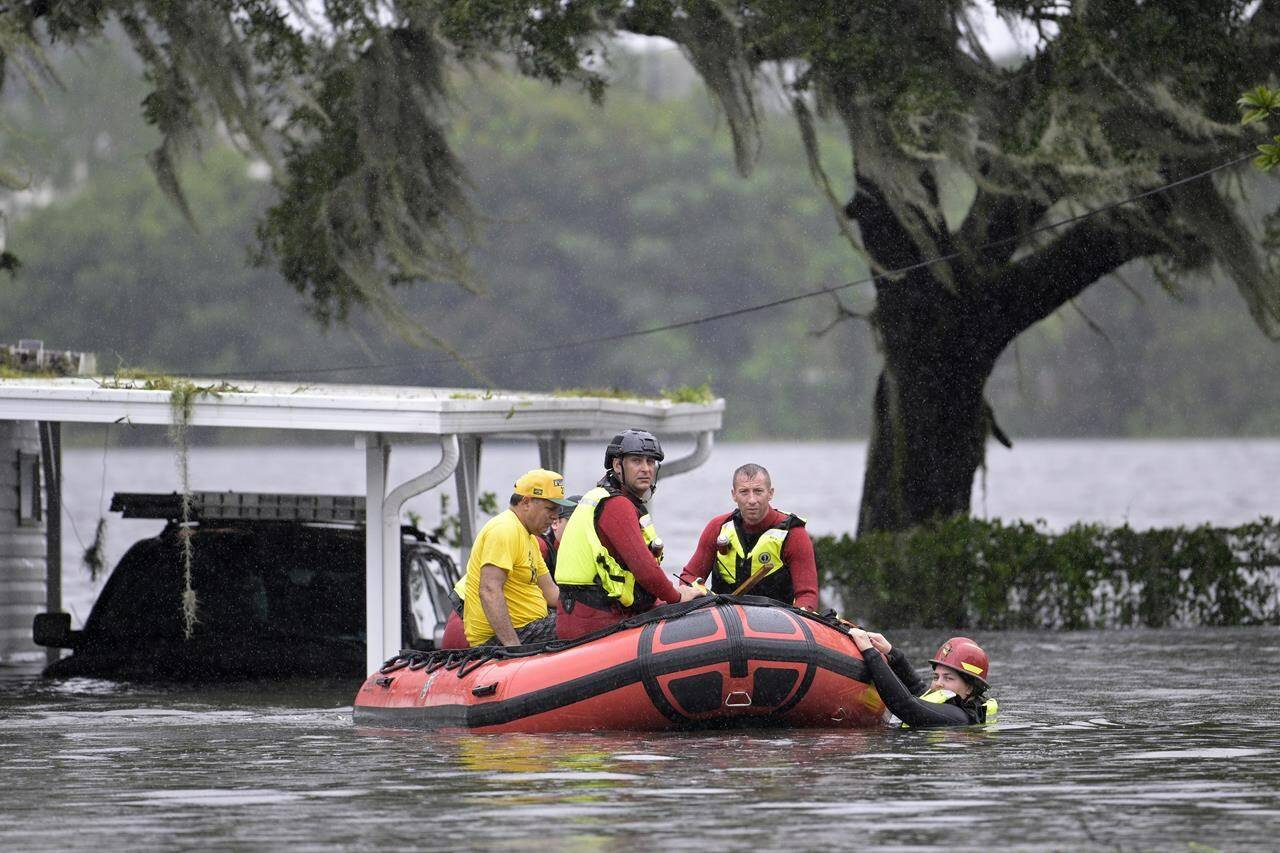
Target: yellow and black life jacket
{"x":583,"y":561}
{"x":982,"y":711}
{"x":765,"y":555}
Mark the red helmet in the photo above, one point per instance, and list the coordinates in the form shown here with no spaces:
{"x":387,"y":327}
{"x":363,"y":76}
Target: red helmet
{"x":965,"y":657}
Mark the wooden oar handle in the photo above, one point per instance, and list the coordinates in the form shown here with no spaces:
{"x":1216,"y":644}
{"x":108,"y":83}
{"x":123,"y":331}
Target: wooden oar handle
{"x":756,"y":577}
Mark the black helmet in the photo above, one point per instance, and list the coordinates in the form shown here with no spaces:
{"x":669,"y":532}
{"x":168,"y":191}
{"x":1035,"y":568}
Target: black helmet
{"x":633,"y":442}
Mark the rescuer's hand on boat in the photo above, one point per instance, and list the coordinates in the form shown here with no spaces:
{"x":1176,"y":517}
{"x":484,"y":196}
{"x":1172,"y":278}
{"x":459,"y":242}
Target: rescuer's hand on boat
{"x":861,"y":639}
{"x":879,"y":643}
{"x":865,"y":640}
{"x":689,"y":593}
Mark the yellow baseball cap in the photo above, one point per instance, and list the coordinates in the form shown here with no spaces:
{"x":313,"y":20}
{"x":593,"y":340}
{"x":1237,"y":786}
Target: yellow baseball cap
{"x":541,"y":483}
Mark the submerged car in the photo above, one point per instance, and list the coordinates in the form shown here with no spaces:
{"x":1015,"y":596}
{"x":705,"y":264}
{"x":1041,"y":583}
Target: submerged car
{"x":280,"y":586}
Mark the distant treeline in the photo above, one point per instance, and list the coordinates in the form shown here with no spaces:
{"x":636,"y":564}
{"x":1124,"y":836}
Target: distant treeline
{"x":601,"y":221}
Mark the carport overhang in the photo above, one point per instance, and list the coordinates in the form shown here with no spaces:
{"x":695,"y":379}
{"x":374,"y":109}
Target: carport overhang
{"x":382,"y":417}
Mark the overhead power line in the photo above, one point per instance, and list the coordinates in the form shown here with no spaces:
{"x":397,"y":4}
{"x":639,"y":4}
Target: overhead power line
{"x":748,"y":309}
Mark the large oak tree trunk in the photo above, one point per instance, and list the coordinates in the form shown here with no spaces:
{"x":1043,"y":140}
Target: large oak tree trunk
{"x":940,"y":340}
{"x":941,"y":330}
{"x":930,"y":420}
{"x":927,"y":440}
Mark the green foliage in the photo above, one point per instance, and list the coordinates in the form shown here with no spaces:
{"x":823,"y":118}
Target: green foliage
{"x":449,"y":530}
{"x":614,"y":195}
{"x":680,"y":394}
{"x":970,"y":574}
{"x":348,"y":101}
{"x":111,"y":269}
{"x":1258,"y":104}
{"x":611,"y":393}
{"x":8,"y":372}
{"x":690,"y":394}
{"x":95,"y":553}
{"x":373,"y":195}
{"x":183,"y":392}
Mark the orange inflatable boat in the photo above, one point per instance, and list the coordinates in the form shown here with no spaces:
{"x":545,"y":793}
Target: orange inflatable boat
{"x":714,"y":662}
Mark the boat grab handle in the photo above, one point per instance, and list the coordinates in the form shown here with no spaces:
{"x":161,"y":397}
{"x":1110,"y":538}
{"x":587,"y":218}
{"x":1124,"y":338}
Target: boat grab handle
{"x":737,"y":699}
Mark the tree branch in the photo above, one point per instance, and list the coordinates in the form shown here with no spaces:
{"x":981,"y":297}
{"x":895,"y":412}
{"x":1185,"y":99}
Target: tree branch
{"x":1037,"y":285}
{"x":886,"y":239}
{"x":996,"y":217}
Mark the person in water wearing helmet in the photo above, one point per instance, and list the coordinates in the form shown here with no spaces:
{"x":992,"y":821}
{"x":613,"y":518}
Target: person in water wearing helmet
{"x":608,"y":565}
{"x":956,"y":696}
{"x":756,"y":539}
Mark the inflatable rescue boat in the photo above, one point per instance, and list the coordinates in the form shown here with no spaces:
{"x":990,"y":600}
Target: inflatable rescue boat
{"x":715,"y":662}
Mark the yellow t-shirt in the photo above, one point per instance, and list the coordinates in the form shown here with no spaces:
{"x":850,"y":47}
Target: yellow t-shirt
{"x":503,"y":542}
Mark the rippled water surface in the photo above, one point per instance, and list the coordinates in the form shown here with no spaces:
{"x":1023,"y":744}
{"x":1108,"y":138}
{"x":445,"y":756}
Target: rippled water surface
{"x":1125,"y":740}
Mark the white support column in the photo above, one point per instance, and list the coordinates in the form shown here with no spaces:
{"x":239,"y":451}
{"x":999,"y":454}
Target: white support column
{"x":51,"y":453}
{"x":375,"y":470}
{"x":392,"y":627}
{"x":22,"y":540}
{"x":551,"y":452}
{"x":467,"y":485}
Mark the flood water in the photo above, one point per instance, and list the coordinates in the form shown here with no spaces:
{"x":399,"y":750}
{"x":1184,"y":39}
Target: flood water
{"x":1106,"y":740}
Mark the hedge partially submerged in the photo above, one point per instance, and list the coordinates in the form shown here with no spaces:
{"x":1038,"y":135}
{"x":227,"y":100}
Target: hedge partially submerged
{"x":966,"y":573}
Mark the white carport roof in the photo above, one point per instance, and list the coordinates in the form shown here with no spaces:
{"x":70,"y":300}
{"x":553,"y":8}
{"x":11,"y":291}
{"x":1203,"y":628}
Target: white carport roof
{"x":351,"y":408}
{"x":383,"y":415}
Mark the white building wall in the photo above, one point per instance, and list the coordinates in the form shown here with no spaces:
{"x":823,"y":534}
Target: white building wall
{"x":22,"y":549}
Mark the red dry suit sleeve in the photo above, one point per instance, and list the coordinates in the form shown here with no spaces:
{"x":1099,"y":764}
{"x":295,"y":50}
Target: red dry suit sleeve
{"x":619,"y":527}
{"x":797,"y":555}
{"x":703,"y":561}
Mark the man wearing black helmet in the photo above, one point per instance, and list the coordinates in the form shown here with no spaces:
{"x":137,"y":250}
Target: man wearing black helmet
{"x":608,"y":565}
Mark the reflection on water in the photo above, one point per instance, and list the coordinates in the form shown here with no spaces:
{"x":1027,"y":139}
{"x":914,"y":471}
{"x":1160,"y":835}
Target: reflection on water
{"x":1135,"y":739}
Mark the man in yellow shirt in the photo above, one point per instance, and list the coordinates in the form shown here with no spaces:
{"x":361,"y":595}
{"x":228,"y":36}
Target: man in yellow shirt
{"x":508,"y":587}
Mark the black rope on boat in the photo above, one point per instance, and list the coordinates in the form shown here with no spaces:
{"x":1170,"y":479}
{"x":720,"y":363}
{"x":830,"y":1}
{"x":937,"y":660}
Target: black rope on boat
{"x":466,"y":661}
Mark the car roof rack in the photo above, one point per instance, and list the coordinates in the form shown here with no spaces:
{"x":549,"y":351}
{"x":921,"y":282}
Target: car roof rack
{"x":242,"y":506}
